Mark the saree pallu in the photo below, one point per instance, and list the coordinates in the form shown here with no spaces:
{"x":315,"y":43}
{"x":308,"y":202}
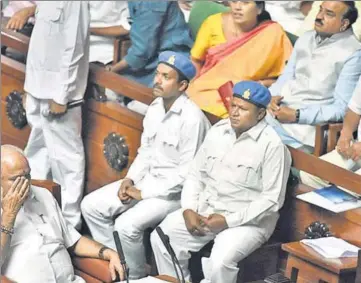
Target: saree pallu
{"x":257,"y":55}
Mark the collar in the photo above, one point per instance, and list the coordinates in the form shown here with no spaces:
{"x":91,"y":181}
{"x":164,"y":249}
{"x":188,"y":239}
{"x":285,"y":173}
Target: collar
{"x":177,"y":106}
{"x":334,"y":37}
{"x":253,"y":132}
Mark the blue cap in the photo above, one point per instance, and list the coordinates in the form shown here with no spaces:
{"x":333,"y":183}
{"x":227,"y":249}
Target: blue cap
{"x":182,"y":64}
{"x":252,"y":92}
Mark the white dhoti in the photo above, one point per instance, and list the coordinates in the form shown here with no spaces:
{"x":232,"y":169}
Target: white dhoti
{"x":230,"y":246}
{"x":55,"y":150}
{"x":104,"y":213}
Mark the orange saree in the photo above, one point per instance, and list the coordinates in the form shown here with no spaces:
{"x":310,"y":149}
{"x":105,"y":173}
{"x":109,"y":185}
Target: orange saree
{"x":257,"y":55}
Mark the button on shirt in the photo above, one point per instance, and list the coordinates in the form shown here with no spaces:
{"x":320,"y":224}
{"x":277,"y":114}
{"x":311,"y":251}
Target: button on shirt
{"x":319,"y":79}
{"x":169,"y":143}
{"x":106,"y":14}
{"x":38,"y":248}
{"x":243,"y":179}
{"x":355,"y":105}
{"x":58,"y":58}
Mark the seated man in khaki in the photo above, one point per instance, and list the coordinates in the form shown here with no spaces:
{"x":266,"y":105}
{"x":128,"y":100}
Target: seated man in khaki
{"x":348,"y":151}
{"x":35,"y":238}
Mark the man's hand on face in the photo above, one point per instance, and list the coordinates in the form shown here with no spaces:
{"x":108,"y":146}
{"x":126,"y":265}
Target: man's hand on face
{"x":286,"y":115}
{"x":114,"y":264}
{"x":15,"y":197}
{"x":356,"y":151}
{"x":134,"y":193}
{"x":216,"y":223}
{"x":57,"y":110}
{"x":126,"y":183}
{"x":195,"y":223}
{"x":344,"y":146}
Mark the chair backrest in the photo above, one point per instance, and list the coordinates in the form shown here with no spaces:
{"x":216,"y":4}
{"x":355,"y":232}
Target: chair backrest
{"x":226,"y":92}
{"x":201,"y":10}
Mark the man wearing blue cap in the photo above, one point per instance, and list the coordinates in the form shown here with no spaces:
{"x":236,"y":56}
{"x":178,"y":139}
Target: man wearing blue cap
{"x":174,"y":128}
{"x":233,"y":191}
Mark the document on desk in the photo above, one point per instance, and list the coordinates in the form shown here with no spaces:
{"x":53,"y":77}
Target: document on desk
{"x":332,"y":198}
{"x":148,"y":279}
{"x":332,"y":247}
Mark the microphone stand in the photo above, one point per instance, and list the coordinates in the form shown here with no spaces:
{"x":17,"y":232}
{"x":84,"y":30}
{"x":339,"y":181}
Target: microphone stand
{"x":165,"y":240}
{"x":121,"y":256}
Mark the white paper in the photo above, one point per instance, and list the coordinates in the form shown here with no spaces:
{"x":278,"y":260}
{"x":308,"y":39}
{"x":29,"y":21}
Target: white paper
{"x":148,"y":279}
{"x":331,"y":247}
{"x":320,"y":201}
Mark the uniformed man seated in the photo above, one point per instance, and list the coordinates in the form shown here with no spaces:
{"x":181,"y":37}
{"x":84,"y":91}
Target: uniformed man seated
{"x":233,"y":192}
{"x":35,"y":238}
{"x":174,"y":129}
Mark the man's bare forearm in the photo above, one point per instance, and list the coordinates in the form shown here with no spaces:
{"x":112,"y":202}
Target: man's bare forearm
{"x":86,"y":247}
{"x":7,"y":221}
{"x":113,"y":31}
{"x":350,"y":123}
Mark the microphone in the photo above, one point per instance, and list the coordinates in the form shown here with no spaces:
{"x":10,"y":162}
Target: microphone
{"x":165,"y":240}
{"x":121,"y":255}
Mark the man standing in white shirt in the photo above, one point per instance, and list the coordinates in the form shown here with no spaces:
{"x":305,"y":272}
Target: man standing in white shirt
{"x":174,"y":128}
{"x":56,"y":77}
{"x":348,"y":151}
{"x":35,"y":238}
{"x":233,"y":192}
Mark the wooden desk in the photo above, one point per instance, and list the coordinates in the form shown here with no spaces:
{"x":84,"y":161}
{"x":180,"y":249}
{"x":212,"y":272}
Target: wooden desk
{"x":305,"y":265}
{"x":167,"y":278}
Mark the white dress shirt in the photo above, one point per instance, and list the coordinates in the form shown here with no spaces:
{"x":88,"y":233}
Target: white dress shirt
{"x":242,"y":179}
{"x":38,"y":248}
{"x":169,"y":143}
{"x":355,"y":105}
{"x":57,"y":63}
{"x":106,"y":14}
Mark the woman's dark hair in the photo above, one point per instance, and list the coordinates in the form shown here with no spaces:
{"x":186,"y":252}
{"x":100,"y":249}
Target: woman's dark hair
{"x":264,"y":16}
{"x":352,"y":12}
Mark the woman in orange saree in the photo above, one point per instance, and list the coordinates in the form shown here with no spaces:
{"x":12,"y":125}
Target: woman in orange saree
{"x":253,"y":48}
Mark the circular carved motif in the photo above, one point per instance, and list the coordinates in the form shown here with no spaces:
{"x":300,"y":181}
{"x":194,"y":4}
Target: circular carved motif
{"x":116,"y":151}
{"x":15,"y":110}
{"x":317,"y":230}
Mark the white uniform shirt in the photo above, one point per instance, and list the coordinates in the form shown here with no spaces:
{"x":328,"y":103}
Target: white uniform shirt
{"x":355,"y":105}
{"x":57,"y":63}
{"x":106,"y":14}
{"x":168,"y":145}
{"x":286,"y":13}
{"x":38,"y":248}
{"x":242,"y":179}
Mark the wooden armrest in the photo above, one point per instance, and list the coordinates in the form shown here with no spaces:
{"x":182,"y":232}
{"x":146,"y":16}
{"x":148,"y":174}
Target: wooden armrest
{"x":52,"y":187}
{"x":121,"y":45}
{"x":320,"y":139}
{"x":4,"y":279}
{"x":96,"y":268}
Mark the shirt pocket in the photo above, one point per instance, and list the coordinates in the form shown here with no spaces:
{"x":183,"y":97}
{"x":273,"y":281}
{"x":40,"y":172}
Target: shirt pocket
{"x":170,"y":144}
{"x":51,"y":231}
{"x":245,"y":172}
{"x":50,"y":16}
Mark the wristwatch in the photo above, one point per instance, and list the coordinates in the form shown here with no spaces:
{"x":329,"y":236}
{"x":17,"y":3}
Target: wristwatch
{"x":101,"y":252}
{"x":297,"y":115}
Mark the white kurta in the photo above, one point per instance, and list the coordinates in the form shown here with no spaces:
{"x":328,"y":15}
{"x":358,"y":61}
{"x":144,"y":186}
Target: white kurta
{"x":57,"y":69}
{"x":38,"y":248}
{"x":106,"y":14}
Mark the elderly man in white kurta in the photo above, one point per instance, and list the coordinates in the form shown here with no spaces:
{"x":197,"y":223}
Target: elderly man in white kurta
{"x":35,"y":237}
{"x":233,"y":192}
{"x":174,"y":128}
{"x":348,"y":151}
{"x":56,"y":76}
{"x":320,"y":77}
